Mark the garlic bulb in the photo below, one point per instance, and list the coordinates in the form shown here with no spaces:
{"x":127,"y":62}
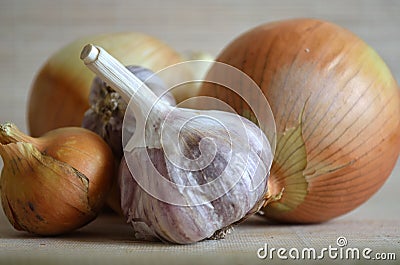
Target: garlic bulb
{"x":107,"y":108}
{"x":195,"y":172}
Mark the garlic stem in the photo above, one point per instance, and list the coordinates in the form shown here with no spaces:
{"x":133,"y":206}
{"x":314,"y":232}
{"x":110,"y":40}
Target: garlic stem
{"x":118,"y":77}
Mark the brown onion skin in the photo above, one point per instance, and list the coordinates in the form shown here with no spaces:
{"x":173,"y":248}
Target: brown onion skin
{"x":59,"y":202}
{"x":85,"y":151}
{"x":60,"y":91}
{"x":82,"y":149}
{"x":349,"y":106}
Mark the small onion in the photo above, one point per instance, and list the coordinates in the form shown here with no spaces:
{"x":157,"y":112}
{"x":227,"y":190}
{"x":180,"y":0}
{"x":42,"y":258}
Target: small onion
{"x":60,"y":91}
{"x":337,"y":111}
{"x":56,"y":183}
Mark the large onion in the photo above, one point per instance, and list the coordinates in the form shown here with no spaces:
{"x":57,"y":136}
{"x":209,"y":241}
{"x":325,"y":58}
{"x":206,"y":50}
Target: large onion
{"x":59,"y":95}
{"x":337,"y":111}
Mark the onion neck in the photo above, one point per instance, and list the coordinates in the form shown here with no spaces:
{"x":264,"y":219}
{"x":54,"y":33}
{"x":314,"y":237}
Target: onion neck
{"x":9,"y":133}
{"x":121,"y":79}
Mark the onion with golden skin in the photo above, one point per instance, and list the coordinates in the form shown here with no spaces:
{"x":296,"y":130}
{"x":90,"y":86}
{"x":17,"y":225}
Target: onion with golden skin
{"x":59,"y":94}
{"x":337,"y":111}
{"x":56,"y":183}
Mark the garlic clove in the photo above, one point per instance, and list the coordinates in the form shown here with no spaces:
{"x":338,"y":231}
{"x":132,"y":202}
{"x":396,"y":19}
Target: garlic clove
{"x":40,"y":194}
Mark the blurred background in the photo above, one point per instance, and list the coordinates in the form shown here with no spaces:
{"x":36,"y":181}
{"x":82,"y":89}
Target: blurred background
{"x":30,"y":31}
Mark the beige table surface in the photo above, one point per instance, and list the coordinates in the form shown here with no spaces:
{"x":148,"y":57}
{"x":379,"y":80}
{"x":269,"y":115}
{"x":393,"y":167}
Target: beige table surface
{"x":32,"y":30}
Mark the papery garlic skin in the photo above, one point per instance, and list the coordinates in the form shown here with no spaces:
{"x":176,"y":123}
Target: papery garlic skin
{"x":106,"y":114}
{"x":107,"y":108}
{"x":209,"y":210}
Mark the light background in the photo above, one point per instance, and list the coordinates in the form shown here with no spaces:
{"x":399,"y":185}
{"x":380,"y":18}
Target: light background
{"x":30,"y":31}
